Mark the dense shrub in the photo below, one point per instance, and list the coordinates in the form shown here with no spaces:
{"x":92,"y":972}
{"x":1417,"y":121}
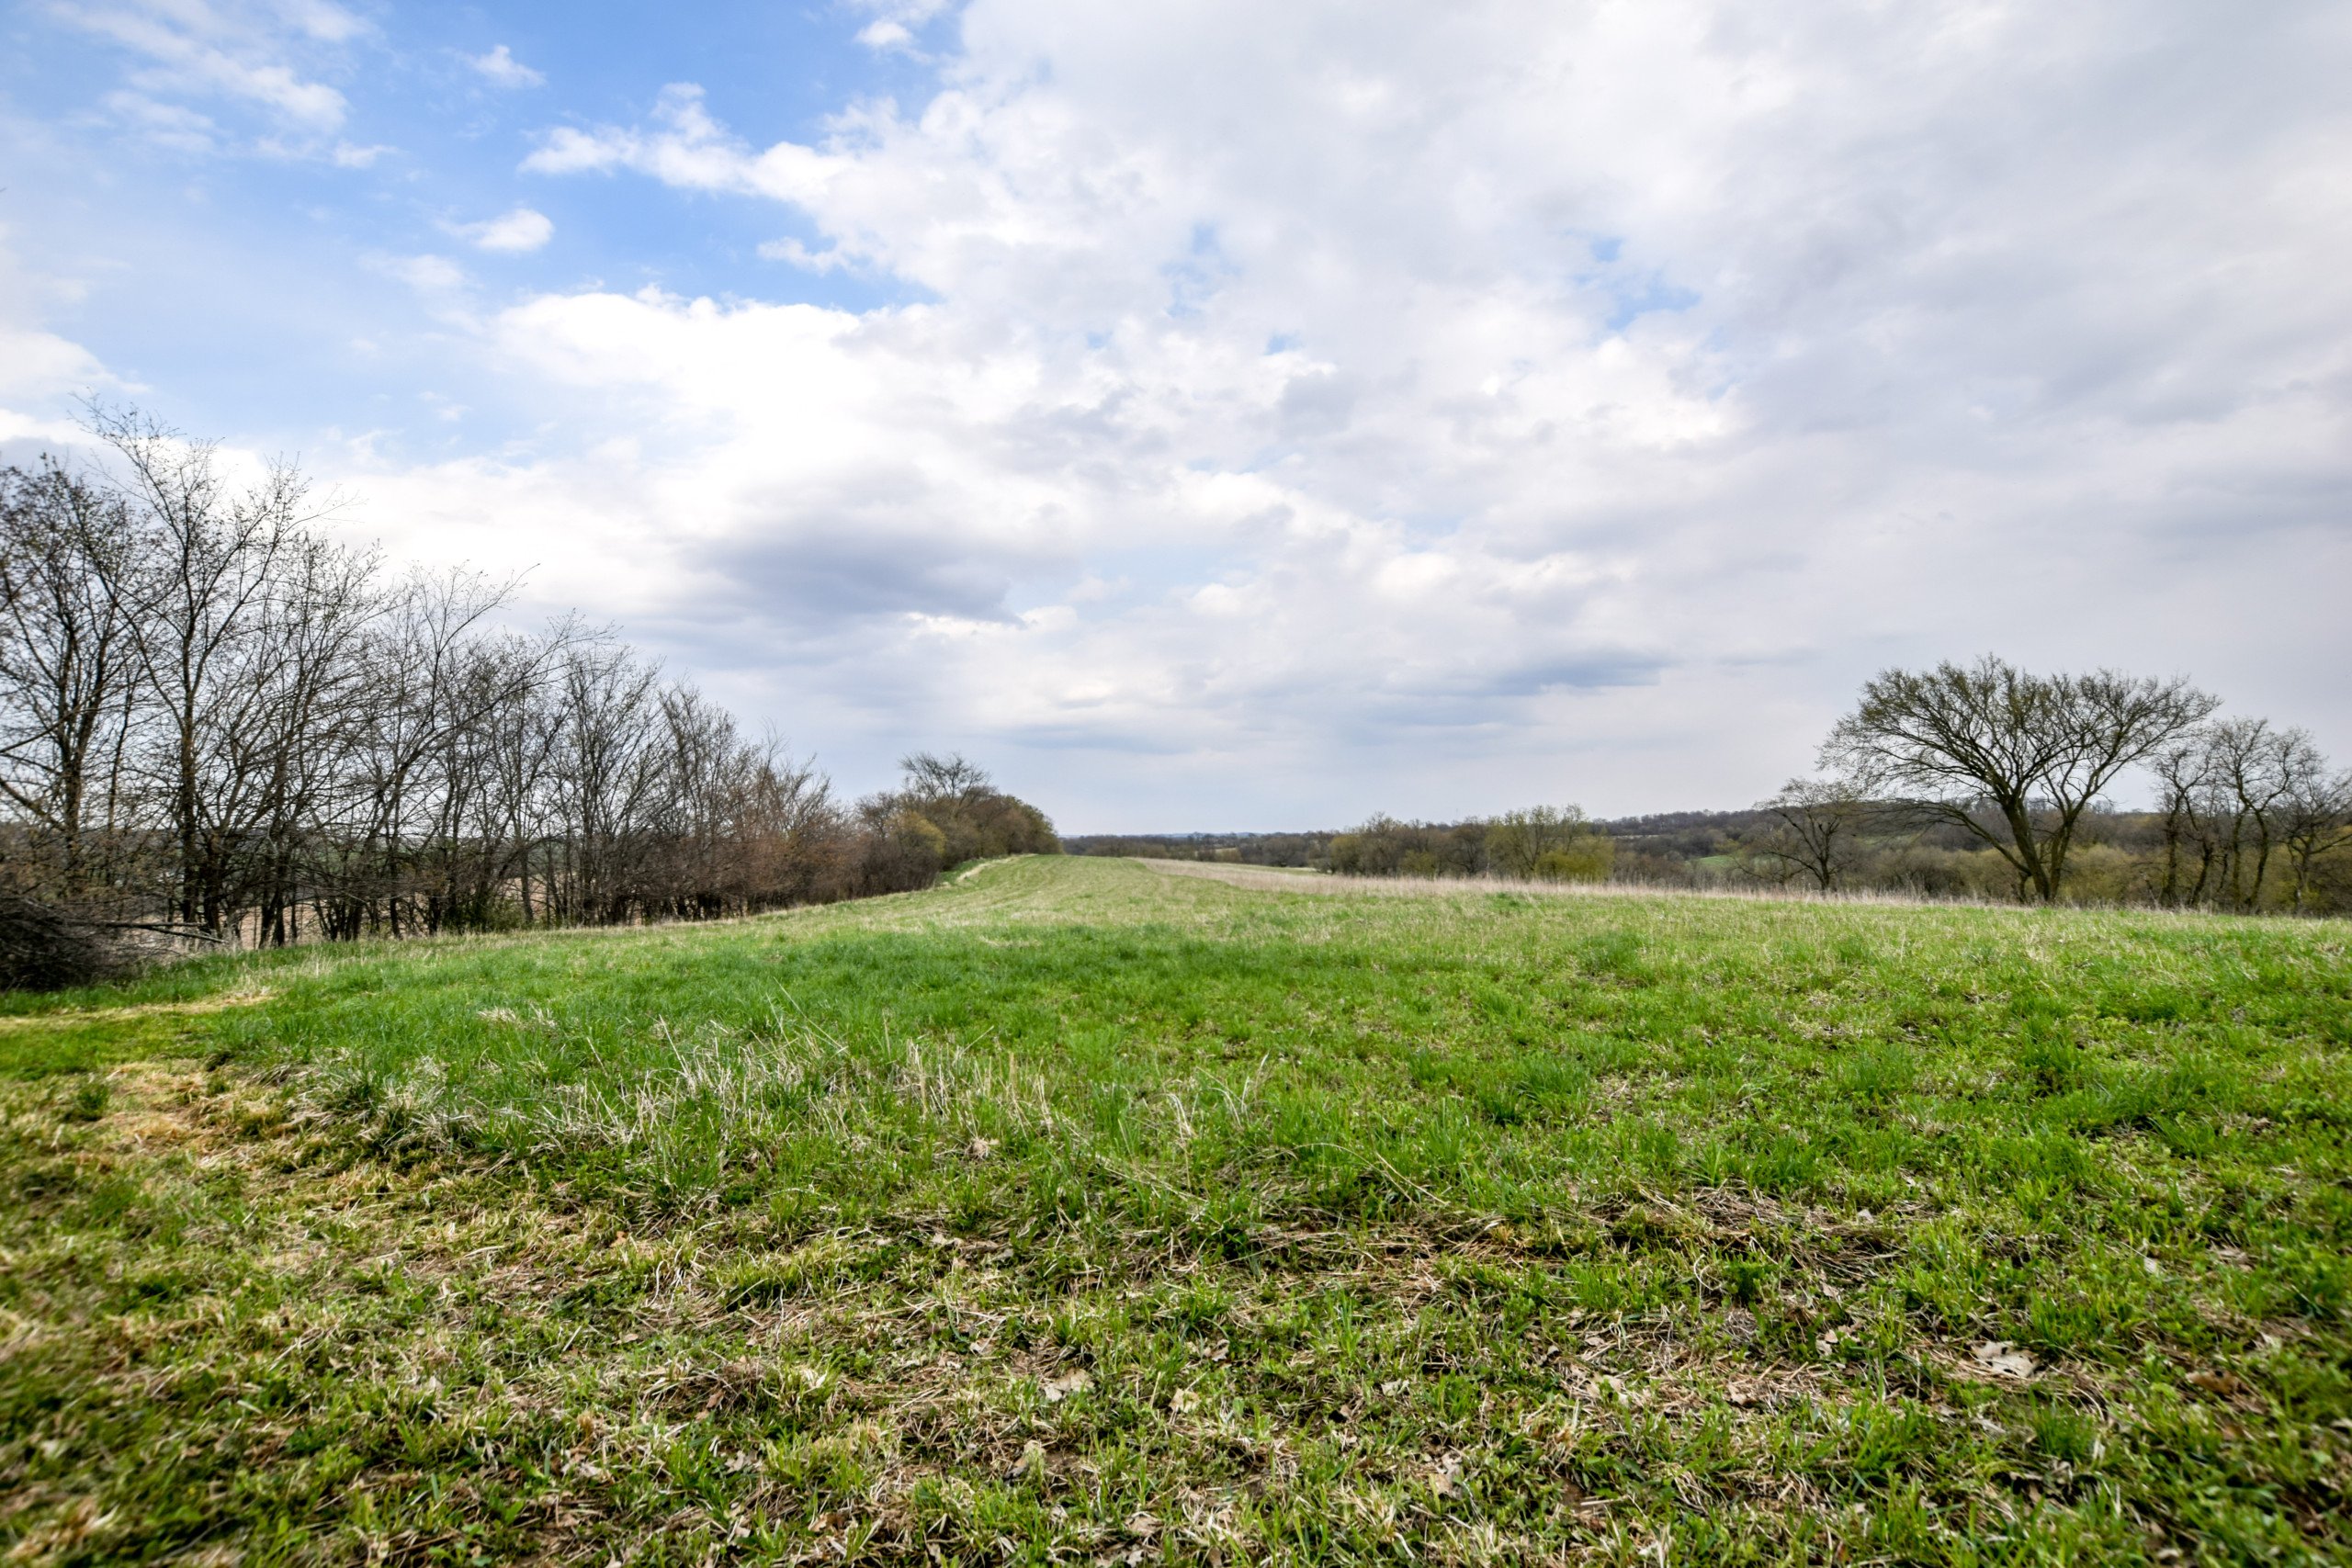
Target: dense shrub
{"x":944,"y":812}
{"x":43,"y":948}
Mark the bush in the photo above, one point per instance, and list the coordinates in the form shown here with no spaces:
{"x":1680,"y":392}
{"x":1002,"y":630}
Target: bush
{"x":946,"y":812}
{"x":43,"y":948}
{"x":1585,"y":859}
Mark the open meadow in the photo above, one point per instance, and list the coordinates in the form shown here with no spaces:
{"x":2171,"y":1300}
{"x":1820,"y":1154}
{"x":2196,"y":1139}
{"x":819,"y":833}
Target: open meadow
{"x":1076,"y":1211}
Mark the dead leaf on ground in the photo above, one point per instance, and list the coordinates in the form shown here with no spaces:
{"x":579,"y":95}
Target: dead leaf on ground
{"x":2003,"y":1360}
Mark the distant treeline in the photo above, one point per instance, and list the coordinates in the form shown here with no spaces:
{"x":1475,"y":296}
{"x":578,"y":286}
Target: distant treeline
{"x":217,"y":725}
{"x":1546,"y":843}
{"x":1981,"y":780}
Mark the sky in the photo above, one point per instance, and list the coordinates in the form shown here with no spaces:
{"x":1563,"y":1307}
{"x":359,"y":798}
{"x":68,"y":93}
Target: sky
{"x":1220,"y":416}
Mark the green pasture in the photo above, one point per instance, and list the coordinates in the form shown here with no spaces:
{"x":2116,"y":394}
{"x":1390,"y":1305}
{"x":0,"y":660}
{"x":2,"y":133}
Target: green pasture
{"x":1073,"y":1212}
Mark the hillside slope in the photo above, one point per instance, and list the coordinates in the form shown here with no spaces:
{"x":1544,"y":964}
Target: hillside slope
{"x":1076,"y":1210}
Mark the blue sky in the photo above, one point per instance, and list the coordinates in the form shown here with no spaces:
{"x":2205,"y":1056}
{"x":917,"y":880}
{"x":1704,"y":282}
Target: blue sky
{"x":287,"y":246}
{"x":1215,"y":415}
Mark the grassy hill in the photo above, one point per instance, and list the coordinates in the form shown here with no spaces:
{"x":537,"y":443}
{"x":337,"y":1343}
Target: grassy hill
{"x":1074,"y":1212}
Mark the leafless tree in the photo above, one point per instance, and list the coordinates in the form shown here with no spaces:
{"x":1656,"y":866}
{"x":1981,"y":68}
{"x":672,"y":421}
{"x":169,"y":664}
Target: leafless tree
{"x":314,"y":687}
{"x":1814,"y":830}
{"x":609,"y":775}
{"x":2252,"y":767}
{"x":2013,"y":759}
{"x":2183,"y":771}
{"x":214,"y":552}
{"x":2235,"y":794}
{"x":69,"y":599}
{"x":929,"y":777}
{"x":2314,"y":819}
{"x":520,"y":755}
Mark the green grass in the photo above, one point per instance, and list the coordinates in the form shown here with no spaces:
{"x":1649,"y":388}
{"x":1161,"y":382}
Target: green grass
{"x":1075,"y":1213}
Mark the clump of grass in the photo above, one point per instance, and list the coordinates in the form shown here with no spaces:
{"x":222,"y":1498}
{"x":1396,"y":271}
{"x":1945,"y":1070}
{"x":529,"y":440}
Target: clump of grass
{"x":88,"y":1101}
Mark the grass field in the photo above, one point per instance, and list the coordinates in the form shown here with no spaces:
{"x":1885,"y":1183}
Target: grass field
{"x":1077,"y":1213}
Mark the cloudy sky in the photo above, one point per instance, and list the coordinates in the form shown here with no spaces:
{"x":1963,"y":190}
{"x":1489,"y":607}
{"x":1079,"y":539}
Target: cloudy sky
{"x":1222,"y":415}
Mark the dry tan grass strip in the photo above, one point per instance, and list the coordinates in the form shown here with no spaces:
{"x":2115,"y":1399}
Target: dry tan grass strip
{"x":146,"y":1010}
{"x":1279,"y":879}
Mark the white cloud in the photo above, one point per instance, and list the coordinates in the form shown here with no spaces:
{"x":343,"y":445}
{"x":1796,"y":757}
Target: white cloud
{"x":687,"y":147}
{"x":1507,"y":381}
{"x":321,"y":20}
{"x":886,"y":34}
{"x":174,"y":126}
{"x":428,"y":274}
{"x":501,"y":69}
{"x":248,"y":53}
{"x":521,"y":229}
{"x":798,"y":255}
{"x":37,"y":365}
{"x":906,"y":16}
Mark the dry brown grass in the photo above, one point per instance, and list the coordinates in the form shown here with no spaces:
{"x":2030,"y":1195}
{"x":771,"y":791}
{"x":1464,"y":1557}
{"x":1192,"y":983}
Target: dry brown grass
{"x":1277,"y":879}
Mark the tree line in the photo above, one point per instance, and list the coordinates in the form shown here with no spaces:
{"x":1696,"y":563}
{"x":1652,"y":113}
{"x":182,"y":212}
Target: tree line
{"x":1978,"y":781}
{"x":220,"y":725}
{"x":1548,"y":843}
{"x":1555,"y":844}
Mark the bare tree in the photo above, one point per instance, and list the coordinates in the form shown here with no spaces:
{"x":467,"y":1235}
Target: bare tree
{"x":2251,"y":767}
{"x":487,"y":775}
{"x":609,"y":776}
{"x":215,"y":553}
{"x":928,"y":777}
{"x":789,"y":828}
{"x":1816,"y":830}
{"x":520,"y":756}
{"x":2315,"y":818}
{"x":2233,"y":796}
{"x":310,"y":671}
{"x":2013,"y":759}
{"x":2183,"y":769}
{"x":70,"y":599}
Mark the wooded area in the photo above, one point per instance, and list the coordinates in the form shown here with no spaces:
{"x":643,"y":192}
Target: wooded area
{"x":217,"y":725}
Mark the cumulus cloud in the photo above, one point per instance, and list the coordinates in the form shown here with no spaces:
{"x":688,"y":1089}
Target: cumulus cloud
{"x":682,"y":147}
{"x":37,"y":365}
{"x":1604,"y":391}
{"x":1286,"y":411}
{"x":258,"y":55}
{"x":519,"y":231}
{"x":886,"y":34}
{"x":897,"y":21}
{"x":501,"y":69}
